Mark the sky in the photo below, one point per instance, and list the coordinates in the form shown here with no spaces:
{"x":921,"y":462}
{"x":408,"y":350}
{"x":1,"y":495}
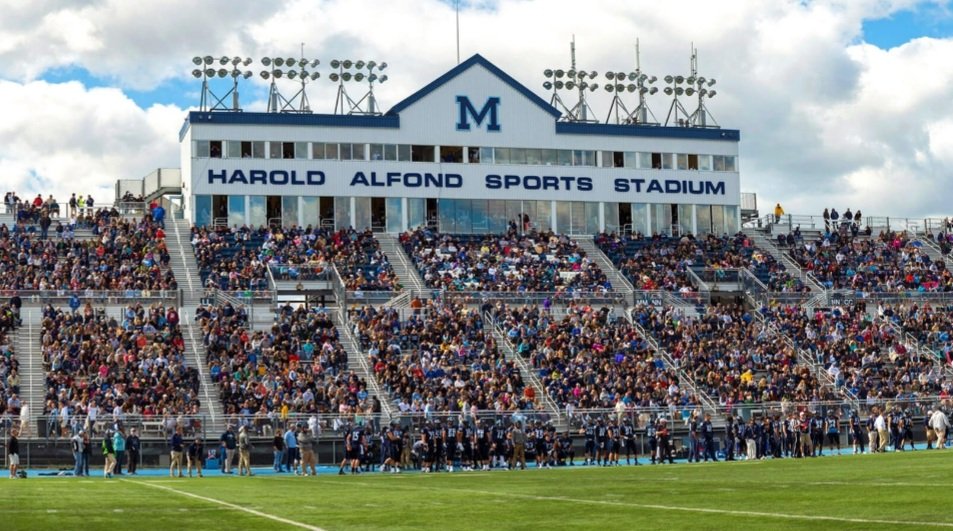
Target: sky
{"x":840,"y":103}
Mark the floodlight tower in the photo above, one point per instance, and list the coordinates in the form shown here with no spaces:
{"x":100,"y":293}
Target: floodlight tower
{"x":209,"y":101}
{"x":367,"y":104}
{"x":643,"y":82}
{"x":702,"y":87}
{"x":616,"y":87}
{"x":276,"y":101}
{"x":580,"y":80}
{"x":676,"y":110}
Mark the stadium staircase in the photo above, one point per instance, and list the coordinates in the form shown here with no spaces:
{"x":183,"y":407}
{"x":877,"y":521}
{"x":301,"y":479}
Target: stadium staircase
{"x":403,"y":266}
{"x":529,"y":375}
{"x":32,"y":374}
{"x":684,"y":380}
{"x":358,"y":363}
{"x":933,"y":251}
{"x":208,"y":394}
{"x":761,"y":241}
{"x":183,"y":264}
{"x":618,"y":280}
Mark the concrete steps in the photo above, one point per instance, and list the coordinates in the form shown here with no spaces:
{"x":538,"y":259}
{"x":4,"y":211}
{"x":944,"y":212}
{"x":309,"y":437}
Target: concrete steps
{"x":182,"y":261}
{"x":32,"y":374}
{"x":208,"y":392}
{"x":763,"y":242}
{"x":403,"y":265}
{"x":618,"y":280}
{"x":358,"y":363}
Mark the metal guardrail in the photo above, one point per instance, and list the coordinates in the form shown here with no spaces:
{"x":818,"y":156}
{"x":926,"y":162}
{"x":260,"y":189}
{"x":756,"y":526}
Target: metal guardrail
{"x":96,"y":296}
{"x":130,"y":207}
{"x":283,"y":272}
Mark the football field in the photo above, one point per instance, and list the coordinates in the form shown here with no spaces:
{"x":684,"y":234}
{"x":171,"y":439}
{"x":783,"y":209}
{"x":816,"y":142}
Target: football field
{"x":912,"y":490}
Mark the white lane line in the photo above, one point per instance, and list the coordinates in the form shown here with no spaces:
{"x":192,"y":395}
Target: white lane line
{"x":230,"y":506}
{"x":785,"y":516}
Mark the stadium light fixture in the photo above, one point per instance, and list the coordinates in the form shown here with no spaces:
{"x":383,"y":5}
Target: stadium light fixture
{"x":228,"y":68}
{"x":573,"y":78}
{"x":700,"y":86}
{"x":363,"y":71}
{"x":634,"y":82}
{"x":284,"y":67}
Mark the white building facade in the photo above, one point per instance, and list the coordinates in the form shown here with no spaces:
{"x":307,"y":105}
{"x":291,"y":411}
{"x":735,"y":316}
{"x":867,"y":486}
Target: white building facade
{"x":468,"y":153}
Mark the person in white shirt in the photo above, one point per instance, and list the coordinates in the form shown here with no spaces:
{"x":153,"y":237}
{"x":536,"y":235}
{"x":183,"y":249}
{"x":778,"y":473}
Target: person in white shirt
{"x":940,"y":424}
{"x":881,"y":426}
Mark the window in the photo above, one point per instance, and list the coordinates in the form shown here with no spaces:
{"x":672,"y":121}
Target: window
{"x":201,"y":150}
{"x":486,"y":155}
{"x":346,"y":152}
{"x":421,"y":153}
{"x":301,"y":150}
{"x":322,"y":151}
{"x":357,"y":152}
{"x":287,"y":150}
{"x":215,"y":149}
{"x":730,"y":163}
{"x":501,"y":155}
{"x":618,"y":159}
{"x":704,"y":162}
{"x":377,"y":151}
{"x":517,"y":156}
{"x":719,"y":163}
{"x":656,"y":161}
{"x":644,"y":160}
{"x":681,"y":161}
{"x":403,"y":152}
{"x":693,"y":162}
{"x":390,"y":152}
{"x":453,"y":154}
{"x":274,"y":150}
{"x":233,"y":149}
{"x":583,"y":157}
{"x":565,"y":157}
{"x":255,"y":150}
{"x":550,"y":157}
{"x":668,"y":161}
{"x":534,"y":157}
{"x":631,"y":159}
{"x":607,"y":159}
{"x":473,"y":155}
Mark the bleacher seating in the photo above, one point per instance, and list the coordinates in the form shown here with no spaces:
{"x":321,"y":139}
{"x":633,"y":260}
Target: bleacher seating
{"x":439,"y":359}
{"x":237,"y":258}
{"x":540,"y":262}
{"x":299,"y":366}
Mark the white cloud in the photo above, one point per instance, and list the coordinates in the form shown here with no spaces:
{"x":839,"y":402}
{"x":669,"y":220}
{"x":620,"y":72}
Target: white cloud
{"x":826,"y":119}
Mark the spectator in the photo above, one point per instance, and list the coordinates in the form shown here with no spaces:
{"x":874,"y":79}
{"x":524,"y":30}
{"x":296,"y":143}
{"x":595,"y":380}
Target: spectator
{"x":778,"y":212}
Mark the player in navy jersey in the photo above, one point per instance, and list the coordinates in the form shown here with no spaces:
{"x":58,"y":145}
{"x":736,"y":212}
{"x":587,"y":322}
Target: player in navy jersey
{"x":425,"y":448}
{"x":856,"y":433}
{"x":652,"y":435}
{"x":499,"y":445}
{"x":565,"y":452}
{"x":466,"y":458}
{"x":352,"y":449}
{"x":590,"y":434}
{"x":615,"y":443}
{"x":628,"y":441}
{"x":548,"y":450}
{"x":602,"y":443}
{"x":385,"y":448}
{"x":439,"y":448}
{"x":708,"y":436}
{"x":832,"y":429}
{"x":453,"y":445}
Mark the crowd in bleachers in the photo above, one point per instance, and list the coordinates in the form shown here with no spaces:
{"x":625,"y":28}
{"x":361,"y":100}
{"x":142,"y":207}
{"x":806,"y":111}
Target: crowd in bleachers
{"x":662,"y":263}
{"x":589,"y":358}
{"x":122,"y":254}
{"x":440,"y":358}
{"x":888,"y":262}
{"x":514,"y":262}
{"x":127,"y":365}
{"x":931,"y":326}
{"x":865,"y":354}
{"x":237,"y":258}
{"x":9,"y":363}
{"x":298,"y":366}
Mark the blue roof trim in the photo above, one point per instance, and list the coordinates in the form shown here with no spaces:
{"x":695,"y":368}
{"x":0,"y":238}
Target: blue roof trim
{"x":477,"y":59}
{"x":693,"y":133}
{"x":273,"y":118}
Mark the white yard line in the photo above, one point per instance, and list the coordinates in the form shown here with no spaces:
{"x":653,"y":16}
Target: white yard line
{"x":704,"y":510}
{"x":229,"y":505}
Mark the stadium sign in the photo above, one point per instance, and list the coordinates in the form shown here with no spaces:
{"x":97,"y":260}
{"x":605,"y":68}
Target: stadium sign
{"x":488,"y":112}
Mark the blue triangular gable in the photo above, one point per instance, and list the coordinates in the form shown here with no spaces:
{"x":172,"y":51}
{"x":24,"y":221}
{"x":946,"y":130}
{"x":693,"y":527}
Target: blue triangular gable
{"x":477,"y":59}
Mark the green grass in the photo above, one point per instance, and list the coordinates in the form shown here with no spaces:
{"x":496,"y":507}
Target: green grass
{"x":851,"y":492}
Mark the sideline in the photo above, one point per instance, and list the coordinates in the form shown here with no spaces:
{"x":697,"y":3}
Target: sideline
{"x":784,"y":516}
{"x":227,"y":504}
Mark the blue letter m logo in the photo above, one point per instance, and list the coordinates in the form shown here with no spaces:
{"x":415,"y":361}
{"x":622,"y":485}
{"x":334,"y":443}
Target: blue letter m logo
{"x":467,"y":110}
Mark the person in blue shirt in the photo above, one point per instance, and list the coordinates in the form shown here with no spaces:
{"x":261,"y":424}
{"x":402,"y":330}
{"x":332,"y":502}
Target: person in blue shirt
{"x":74,"y":302}
{"x":119,"y":445}
{"x":291,"y":448}
{"x":176,"y":446}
